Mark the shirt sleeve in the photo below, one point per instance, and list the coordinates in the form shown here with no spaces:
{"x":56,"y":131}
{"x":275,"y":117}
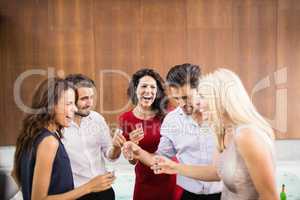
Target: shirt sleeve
{"x":166,"y":145}
{"x":105,"y":139}
{"x":123,"y":125}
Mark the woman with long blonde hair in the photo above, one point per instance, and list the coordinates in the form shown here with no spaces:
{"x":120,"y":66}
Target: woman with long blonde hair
{"x":245,"y":158}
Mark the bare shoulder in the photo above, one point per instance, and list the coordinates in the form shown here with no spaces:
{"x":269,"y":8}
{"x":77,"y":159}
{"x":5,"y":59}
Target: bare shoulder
{"x":246,"y":135}
{"x":48,"y":144}
{"x":249,"y":141}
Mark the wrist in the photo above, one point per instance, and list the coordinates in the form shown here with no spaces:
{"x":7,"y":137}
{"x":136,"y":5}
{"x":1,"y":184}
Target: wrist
{"x":87,"y":188}
{"x":176,"y":167}
{"x":138,"y":152}
{"x":113,"y":152}
{"x":115,"y":147}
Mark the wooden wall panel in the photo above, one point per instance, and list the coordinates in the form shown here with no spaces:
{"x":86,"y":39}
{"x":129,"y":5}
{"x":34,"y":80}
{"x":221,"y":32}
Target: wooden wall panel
{"x":163,"y":33}
{"x":210,"y":37}
{"x":110,"y":40}
{"x":117,"y":41}
{"x":254,"y":49}
{"x":288,"y":57}
{"x":71,"y":32}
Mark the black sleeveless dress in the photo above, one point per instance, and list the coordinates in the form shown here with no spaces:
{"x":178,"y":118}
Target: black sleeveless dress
{"x":61,"y":176}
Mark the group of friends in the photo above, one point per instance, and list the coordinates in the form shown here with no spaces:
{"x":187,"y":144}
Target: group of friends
{"x":213,"y":145}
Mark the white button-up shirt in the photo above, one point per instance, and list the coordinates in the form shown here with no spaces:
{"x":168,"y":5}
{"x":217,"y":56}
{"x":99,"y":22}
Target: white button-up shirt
{"x":192,"y":144}
{"x":87,"y":145}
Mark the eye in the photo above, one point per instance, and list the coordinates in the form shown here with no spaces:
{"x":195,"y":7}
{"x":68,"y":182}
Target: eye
{"x":70,"y":103}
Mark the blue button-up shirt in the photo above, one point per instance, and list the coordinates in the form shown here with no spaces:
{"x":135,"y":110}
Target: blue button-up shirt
{"x":192,"y":144}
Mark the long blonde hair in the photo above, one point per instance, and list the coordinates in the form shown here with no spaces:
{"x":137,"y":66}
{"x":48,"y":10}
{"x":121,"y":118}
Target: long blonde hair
{"x":225,"y":93}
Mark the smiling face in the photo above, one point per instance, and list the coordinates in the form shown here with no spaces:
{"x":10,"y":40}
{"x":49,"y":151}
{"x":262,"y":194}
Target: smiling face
{"x":146,"y":91}
{"x":200,"y":104}
{"x":85,"y":101}
{"x":184,"y":97}
{"x":65,"y":108}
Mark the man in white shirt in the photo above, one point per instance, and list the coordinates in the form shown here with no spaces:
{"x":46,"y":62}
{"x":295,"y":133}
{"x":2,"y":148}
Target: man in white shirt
{"x":88,"y":141}
{"x":183,"y":135}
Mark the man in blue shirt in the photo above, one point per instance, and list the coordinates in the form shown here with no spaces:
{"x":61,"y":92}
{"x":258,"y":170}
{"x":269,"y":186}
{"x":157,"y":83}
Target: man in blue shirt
{"x":183,"y":135}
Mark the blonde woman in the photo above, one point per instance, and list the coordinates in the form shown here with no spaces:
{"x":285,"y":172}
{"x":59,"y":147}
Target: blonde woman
{"x":245,"y":157}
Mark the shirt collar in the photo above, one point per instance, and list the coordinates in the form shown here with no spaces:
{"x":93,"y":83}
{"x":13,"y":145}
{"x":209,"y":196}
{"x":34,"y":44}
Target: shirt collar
{"x":186,"y":117}
{"x":89,"y":117}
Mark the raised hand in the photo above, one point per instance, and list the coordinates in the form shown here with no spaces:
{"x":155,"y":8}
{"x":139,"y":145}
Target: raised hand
{"x":163,"y":165}
{"x":136,"y":135}
{"x":118,"y":139}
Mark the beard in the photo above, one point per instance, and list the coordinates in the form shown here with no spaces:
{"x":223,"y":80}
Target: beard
{"x":82,"y":113}
{"x":188,"y":110}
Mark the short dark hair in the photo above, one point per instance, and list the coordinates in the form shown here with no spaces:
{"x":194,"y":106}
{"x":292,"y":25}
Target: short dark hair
{"x":186,"y":73}
{"x":161,"y":101}
{"x":80,"y":80}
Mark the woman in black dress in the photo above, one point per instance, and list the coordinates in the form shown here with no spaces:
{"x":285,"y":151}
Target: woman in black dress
{"x":42,"y":167}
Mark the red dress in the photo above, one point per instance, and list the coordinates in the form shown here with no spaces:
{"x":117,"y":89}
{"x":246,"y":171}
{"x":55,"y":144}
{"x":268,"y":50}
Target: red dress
{"x":148,"y":186}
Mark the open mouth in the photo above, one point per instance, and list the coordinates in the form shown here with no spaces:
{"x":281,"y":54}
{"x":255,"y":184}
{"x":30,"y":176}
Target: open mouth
{"x":69,"y":118}
{"x":148,"y":98}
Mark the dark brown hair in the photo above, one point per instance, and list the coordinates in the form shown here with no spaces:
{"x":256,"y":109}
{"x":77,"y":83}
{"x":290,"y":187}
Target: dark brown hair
{"x":44,"y":100}
{"x":186,"y":73}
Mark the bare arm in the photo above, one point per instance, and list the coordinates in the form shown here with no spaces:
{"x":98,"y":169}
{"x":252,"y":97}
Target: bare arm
{"x":138,"y":153}
{"x":13,"y":175}
{"x":146,"y":158}
{"x":203,"y":173}
{"x":258,"y":159}
{"x":42,"y":174}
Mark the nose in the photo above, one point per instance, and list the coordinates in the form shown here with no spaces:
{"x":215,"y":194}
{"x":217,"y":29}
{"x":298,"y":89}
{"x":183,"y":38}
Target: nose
{"x":89,"y":102}
{"x":148,"y":90}
{"x":181,"y":102}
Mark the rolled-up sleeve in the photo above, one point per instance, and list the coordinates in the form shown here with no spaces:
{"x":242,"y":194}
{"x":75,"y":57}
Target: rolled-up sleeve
{"x":106,"y":139}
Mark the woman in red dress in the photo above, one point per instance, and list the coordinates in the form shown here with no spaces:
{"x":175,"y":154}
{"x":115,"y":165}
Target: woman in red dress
{"x":142,"y":125}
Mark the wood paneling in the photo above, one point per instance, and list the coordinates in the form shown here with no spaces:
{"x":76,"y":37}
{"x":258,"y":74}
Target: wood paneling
{"x":288,"y":57}
{"x":109,"y":40}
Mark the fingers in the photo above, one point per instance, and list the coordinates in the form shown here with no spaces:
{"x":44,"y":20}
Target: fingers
{"x":119,"y":140}
{"x":127,"y":145}
{"x":156,"y":169}
{"x":134,"y":147}
{"x":138,"y":139}
{"x":155,"y":166}
{"x":162,"y":165}
{"x":130,"y":150}
{"x":108,"y":175}
{"x":102,"y":182}
{"x":136,"y":135}
{"x":108,"y":179}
